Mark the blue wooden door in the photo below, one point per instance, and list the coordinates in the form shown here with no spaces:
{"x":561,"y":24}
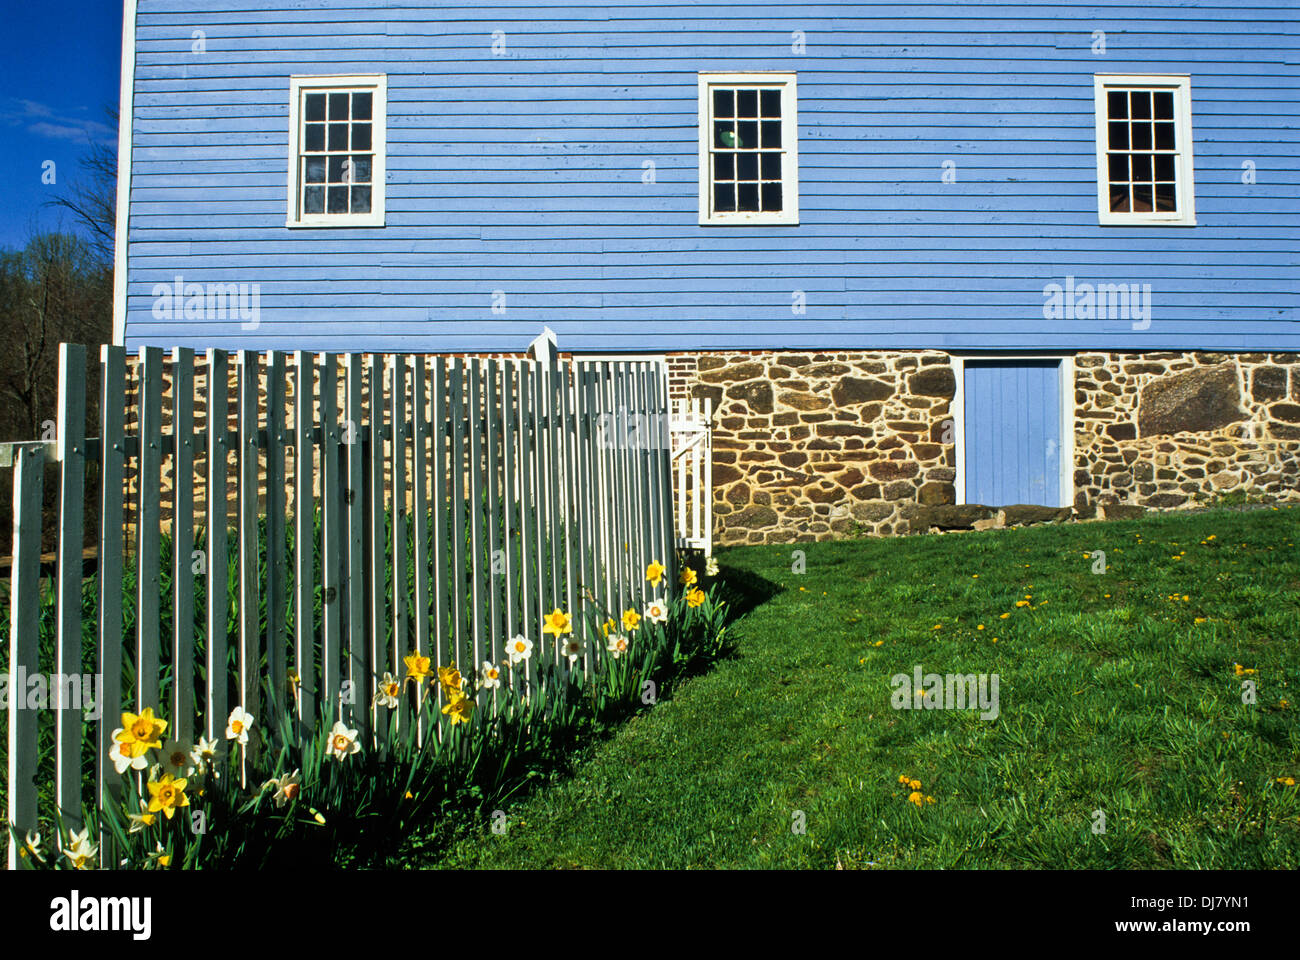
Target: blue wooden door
{"x":1013,"y":432}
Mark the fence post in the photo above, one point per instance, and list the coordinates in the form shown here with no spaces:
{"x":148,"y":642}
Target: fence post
{"x":182,"y":544}
{"x":218,"y":600}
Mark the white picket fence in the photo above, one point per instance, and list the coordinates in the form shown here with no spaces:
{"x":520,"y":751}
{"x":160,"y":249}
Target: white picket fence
{"x":512,"y":486}
{"x":692,"y":443}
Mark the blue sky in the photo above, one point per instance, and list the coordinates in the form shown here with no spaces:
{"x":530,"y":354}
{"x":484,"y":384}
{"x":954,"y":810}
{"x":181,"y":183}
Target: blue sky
{"x":60,"y":63}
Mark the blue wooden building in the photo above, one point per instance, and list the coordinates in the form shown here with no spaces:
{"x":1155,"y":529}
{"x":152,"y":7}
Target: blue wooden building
{"x":919,"y":255}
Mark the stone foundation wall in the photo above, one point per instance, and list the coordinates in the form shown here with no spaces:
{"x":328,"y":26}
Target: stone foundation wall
{"x":814,"y":445}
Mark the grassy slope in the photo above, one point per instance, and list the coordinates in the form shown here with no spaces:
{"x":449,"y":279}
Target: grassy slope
{"x":1121,"y":703}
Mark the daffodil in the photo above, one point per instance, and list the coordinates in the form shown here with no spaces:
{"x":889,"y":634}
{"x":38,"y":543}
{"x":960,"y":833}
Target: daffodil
{"x":32,"y":847}
{"x":79,"y":849}
{"x":631,"y":619}
{"x":121,"y":761}
{"x":139,"y":821}
{"x":520,"y":648}
{"x":343,"y":742}
{"x":656,"y":611}
{"x":177,"y":758}
{"x":389,"y":689}
{"x":573,"y":648}
{"x":558,"y":622}
{"x":616,"y":645}
{"x":287,"y":787}
{"x":418,"y":667}
{"x":695,"y":597}
{"x":458,"y":709}
{"x":238,"y":725}
{"x":655,"y":573}
{"x":489,"y":675}
{"x":687,"y":577}
{"x":711,"y":567}
{"x":608,"y":627}
{"x":166,"y":795}
{"x":205,"y":755}
{"x":140,"y":733}
{"x":161,"y":857}
{"x":450,"y":679}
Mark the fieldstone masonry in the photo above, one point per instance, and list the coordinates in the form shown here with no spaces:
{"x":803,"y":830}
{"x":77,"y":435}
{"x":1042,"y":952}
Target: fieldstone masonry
{"x":809,"y":446}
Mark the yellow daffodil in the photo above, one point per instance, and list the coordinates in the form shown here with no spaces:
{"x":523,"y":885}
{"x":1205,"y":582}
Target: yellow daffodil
{"x":418,"y":667}
{"x":695,"y":597}
{"x":558,"y":622}
{"x":166,"y":795}
{"x":607,"y":627}
{"x":686,"y":577}
{"x":655,"y":573}
{"x":631,"y":619}
{"x":458,"y":709}
{"x":450,"y":679}
{"x":140,"y":733}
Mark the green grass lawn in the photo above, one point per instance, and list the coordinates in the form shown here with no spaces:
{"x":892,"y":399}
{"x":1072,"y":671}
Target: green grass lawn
{"x":1119,"y":692}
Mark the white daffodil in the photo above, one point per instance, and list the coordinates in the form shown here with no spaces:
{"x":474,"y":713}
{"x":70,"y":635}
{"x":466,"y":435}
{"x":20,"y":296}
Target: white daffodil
{"x":616,"y":645}
{"x":80,"y":850}
{"x":489,"y":675}
{"x":573,"y":648}
{"x":177,"y":759}
{"x":711,"y":567}
{"x":238,"y":726}
{"x":343,"y":742}
{"x":389,"y":688}
{"x":520,"y":648}
{"x":32,"y":847}
{"x":205,"y":755}
{"x":122,"y":762}
{"x":287,"y":787}
{"x":656,"y":611}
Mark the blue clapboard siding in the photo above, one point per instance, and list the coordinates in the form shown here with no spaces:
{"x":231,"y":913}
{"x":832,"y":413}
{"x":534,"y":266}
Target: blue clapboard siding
{"x":523,"y":174}
{"x":1013,"y":432}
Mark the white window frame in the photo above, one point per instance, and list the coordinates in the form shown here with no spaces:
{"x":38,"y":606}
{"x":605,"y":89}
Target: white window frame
{"x":1185,"y":188}
{"x":957,"y":412}
{"x":789,"y":215}
{"x":377,"y":84}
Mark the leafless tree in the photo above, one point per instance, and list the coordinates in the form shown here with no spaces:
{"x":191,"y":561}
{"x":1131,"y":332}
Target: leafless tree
{"x":92,"y":198}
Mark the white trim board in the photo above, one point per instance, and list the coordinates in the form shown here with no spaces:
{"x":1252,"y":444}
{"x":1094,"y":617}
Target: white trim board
{"x":957,"y":414}
{"x":125,"y":118}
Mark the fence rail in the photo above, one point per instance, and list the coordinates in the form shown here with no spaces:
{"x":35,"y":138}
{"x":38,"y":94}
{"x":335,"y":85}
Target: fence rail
{"x":692,"y":443}
{"x":428,"y":505}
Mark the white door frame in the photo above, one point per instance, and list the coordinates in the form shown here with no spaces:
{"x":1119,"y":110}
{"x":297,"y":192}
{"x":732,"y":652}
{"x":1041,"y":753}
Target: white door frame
{"x":958,"y":416}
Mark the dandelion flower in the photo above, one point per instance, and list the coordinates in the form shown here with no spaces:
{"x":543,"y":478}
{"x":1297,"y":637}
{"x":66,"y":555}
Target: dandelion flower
{"x":1003,"y":616}
{"x":238,"y":724}
{"x":916,"y":797}
{"x":914,"y":784}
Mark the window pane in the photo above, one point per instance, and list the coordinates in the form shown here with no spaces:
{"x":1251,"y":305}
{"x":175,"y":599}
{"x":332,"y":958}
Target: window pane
{"x":360,"y":136}
{"x":360,"y":199}
{"x":361,"y":103}
{"x":724,"y":198}
{"x":1141,"y":166}
{"x":770,"y":103}
{"x":746,"y":166}
{"x":1141,"y":136}
{"x":747,"y":103}
{"x":724,"y":103}
{"x":1164,"y":166}
{"x":338,"y":136}
{"x":1118,"y":167}
{"x":747,"y":131}
{"x":771,"y":133}
{"x":1164,"y":104}
{"x":1141,"y":198}
{"x":1140,"y":100}
{"x":771,"y":196}
{"x":338,"y":106}
{"x":361,"y":169}
{"x":1164,"y":136}
{"x":747,"y":197}
{"x":1117,"y":104}
{"x":313,"y":200}
{"x":724,"y":166}
{"x":315,"y":109}
{"x":315,"y":139}
{"x":1119,"y":199}
{"x":336,"y":169}
{"x":338,"y":200}
{"x":723,"y":134}
{"x":315,"y":169}
{"x":1165,"y":197}
{"x":771,"y":166}
{"x":1119,"y":136}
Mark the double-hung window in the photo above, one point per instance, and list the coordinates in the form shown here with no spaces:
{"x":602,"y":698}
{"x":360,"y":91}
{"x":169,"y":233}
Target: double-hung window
{"x":336,"y":151}
{"x":1144,"y":150}
{"x":749,"y":162}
